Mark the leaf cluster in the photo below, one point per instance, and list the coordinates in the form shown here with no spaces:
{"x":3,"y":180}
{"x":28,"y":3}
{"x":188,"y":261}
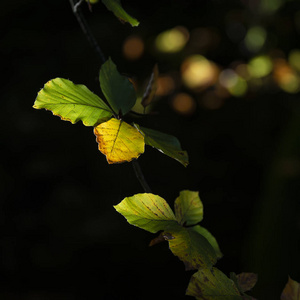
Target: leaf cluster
{"x":190,"y":242}
{"x":118,"y":140}
{"x":123,"y":142}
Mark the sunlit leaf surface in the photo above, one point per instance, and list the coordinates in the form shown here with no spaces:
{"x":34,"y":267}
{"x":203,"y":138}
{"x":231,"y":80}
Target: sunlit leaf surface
{"x":117,"y":9}
{"x":212,"y":284}
{"x":119,"y":141}
{"x":165,"y":143}
{"x":291,"y":290}
{"x":147,"y":211}
{"x":188,"y":208}
{"x":192,"y":248}
{"x":117,"y":89}
{"x":72,"y":102}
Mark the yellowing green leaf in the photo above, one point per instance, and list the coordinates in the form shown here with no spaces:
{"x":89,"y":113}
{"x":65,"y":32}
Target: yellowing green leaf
{"x":147,"y":211}
{"x":72,"y":102}
{"x":188,"y":208}
{"x":165,"y":143}
{"x":192,"y":248}
{"x":119,"y":141}
{"x":210,"y":238}
{"x":212,"y":284}
{"x":291,"y":290}
{"x":116,"y":7}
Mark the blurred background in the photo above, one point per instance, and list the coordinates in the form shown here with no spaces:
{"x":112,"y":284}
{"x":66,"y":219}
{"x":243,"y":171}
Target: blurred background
{"x":228,"y":88}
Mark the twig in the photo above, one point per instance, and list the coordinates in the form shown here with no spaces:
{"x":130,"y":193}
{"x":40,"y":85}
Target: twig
{"x":86,"y":29}
{"x":90,"y":37}
{"x":140,"y":176}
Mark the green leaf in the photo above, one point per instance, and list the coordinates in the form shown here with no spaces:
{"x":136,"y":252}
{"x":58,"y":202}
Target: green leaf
{"x":192,"y":248}
{"x":210,"y":238}
{"x":72,"y":102}
{"x":117,"y":9}
{"x":188,"y":208}
{"x":117,"y":89}
{"x":119,"y":141}
{"x":212,"y":284}
{"x":165,"y":143}
{"x":291,"y":290}
{"x":147,"y":211}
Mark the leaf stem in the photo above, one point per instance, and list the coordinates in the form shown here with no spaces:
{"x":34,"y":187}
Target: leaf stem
{"x":86,"y":29}
{"x":140,"y":176}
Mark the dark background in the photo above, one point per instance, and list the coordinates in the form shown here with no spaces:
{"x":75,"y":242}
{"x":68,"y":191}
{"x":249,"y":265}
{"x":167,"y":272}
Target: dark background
{"x":60,"y":235}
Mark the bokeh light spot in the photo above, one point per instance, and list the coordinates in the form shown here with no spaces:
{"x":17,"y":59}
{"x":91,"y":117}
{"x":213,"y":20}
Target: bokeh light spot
{"x":255,"y":38}
{"x":165,"y":85}
{"x":228,"y":78}
{"x":133,"y":48}
{"x":198,"y":72}
{"x":260,"y":66}
{"x":184,"y":104}
{"x":294,"y":59}
{"x":268,"y":6}
{"x":236,"y":85}
{"x":242,"y":70}
{"x":286,"y":77}
{"x":172,"y":40}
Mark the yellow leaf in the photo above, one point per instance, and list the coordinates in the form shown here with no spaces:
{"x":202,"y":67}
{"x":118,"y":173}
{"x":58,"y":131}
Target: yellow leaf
{"x":119,"y":141}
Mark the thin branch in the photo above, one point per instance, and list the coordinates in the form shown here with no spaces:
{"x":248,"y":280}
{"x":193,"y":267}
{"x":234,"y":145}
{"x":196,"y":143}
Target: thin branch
{"x":86,"y":29}
{"x":90,"y":37}
{"x":140,"y":176}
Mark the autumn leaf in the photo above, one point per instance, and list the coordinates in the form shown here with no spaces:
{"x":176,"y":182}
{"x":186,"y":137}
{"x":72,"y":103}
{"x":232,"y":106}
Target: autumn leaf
{"x":192,"y":248}
{"x":246,"y":281}
{"x":119,"y":141}
{"x":212,"y":284}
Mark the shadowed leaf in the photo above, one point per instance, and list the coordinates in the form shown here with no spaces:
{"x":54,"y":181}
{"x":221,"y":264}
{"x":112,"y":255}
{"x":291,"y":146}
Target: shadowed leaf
{"x":151,"y":88}
{"x":188,"y":208}
{"x":210,"y":238}
{"x":117,"y":9}
{"x":212,"y":284}
{"x":291,"y":290}
{"x":246,"y":281}
{"x":192,"y":248}
{"x":119,"y":141}
{"x":147,"y":211}
{"x":72,"y":102}
{"x":165,"y":143}
{"x":117,"y":89}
